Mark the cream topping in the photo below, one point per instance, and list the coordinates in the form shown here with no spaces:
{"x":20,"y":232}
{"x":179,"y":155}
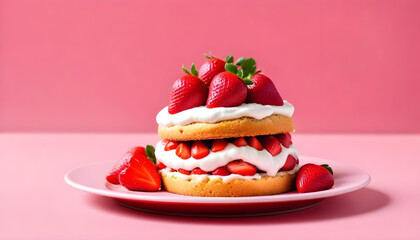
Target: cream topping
{"x":213,"y":115}
{"x":206,"y":177}
{"x":263,"y":160}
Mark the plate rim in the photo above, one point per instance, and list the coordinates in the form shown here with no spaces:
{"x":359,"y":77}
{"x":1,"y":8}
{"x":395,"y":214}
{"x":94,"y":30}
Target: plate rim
{"x":219,"y":200}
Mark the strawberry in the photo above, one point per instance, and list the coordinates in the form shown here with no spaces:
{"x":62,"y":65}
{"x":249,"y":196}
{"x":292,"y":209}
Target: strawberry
{"x":226,"y":90}
{"x":253,"y":142}
{"x":242,"y":168}
{"x":263,"y":91}
{"x":160,"y":165}
{"x":187,"y":92}
{"x":113,"y":176}
{"x":210,"y":68}
{"x":183,"y":171}
{"x":221,"y":171}
{"x":289,"y":164}
{"x":140,"y":174}
{"x":171,"y":145}
{"x":198,"y":171}
{"x":183,"y":150}
{"x":199,"y":150}
{"x":219,"y":145}
{"x":271,"y":144}
{"x":240,"y":142}
{"x":313,"y":178}
{"x":285,"y":139}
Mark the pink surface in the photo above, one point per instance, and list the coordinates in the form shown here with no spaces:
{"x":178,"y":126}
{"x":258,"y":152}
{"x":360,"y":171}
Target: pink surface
{"x":347,"y":66}
{"x":35,"y":202}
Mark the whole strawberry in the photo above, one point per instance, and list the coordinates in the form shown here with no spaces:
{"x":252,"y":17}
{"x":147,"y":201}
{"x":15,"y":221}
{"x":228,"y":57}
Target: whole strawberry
{"x":313,"y":178}
{"x":228,"y":89}
{"x":187,"y":92}
{"x":210,"y":68}
{"x":263,"y":91}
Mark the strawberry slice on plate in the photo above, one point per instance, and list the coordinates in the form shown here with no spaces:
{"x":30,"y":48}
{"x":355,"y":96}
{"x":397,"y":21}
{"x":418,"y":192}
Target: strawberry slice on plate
{"x":140,"y":175}
{"x":113,"y":176}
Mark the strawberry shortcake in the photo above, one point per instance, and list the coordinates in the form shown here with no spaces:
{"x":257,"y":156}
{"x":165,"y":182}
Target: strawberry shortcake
{"x":226,"y":133}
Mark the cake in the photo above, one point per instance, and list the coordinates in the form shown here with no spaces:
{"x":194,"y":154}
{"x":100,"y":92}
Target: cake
{"x":226,"y":133}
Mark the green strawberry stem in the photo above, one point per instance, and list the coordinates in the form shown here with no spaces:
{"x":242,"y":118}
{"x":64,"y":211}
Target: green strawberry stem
{"x":193,"y":70}
{"x":326,"y":166}
{"x":150,"y":153}
{"x":247,"y":70}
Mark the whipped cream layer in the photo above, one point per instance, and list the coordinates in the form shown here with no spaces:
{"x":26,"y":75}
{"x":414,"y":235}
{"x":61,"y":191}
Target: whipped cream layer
{"x":263,"y":160}
{"x":213,"y":115}
{"x":206,"y":177}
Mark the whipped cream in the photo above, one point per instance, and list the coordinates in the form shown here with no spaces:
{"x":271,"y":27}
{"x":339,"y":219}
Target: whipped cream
{"x":263,"y":160}
{"x":213,"y":115}
{"x":206,"y":177}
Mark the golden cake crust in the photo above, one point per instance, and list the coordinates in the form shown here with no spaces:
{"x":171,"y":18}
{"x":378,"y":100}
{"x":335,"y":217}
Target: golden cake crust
{"x":235,"y":188}
{"x":241,"y":127}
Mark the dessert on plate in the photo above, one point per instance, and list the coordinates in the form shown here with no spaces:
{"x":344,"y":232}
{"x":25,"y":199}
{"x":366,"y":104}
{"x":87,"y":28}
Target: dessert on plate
{"x":226,"y":133}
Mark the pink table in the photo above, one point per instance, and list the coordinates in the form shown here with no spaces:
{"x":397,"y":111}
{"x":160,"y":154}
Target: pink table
{"x":35,"y":202}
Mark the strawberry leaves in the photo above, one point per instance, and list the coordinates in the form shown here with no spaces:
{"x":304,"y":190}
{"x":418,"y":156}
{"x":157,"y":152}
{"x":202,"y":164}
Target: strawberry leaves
{"x":232,"y":68}
{"x":150,"y":153}
{"x":229,"y":59}
{"x":326,"y":166}
{"x":193,"y":70}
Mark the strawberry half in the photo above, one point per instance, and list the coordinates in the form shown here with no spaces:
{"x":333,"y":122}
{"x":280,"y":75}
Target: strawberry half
{"x":313,"y":178}
{"x":187,"y":92}
{"x":183,"y":150}
{"x":199,"y":150}
{"x":113,"y":176}
{"x":285,"y":139}
{"x":253,"y":142}
{"x":242,"y":168}
{"x":240,"y":142}
{"x":221,"y":171}
{"x":198,"y":171}
{"x":183,"y":171}
{"x":171,"y":145}
{"x":210,"y":68}
{"x":271,"y":144}
{"x":140,"y":175}
{"x":263,"y":91}
{"x":219,"y":145}
{"x":289,"y":164}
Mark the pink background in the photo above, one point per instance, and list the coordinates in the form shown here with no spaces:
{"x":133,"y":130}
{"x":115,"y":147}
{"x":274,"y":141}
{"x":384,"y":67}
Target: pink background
{"x":107,"y":66}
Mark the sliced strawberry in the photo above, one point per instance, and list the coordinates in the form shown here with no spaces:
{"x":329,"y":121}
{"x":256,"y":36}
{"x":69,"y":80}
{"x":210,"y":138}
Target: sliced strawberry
{"x":221,"y":171}
{"x":313,"y":178}
{"x":160,"y":165}
{"x":113,"y":176}
{"x":199,"y":150}
{"x":183,"y":150}
{"x":240,"y":142}
{"x":285,"y":139}
{"x":242,"y":168}
{"x":140,"y":175}
{"x":253,"y":142}
{"x":211,"y":68}
{"x":219,"y":145}
{"x":171,"y":145}
{"x":198,"y":171}
{"x":183,"y":171}
{"x":263,"y":91}
{"x":271,"y":144}
{"x":187,"y":92}
{"x":289,"y":164}
{"x":226,"y":90}
{"x":164,"y":142}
